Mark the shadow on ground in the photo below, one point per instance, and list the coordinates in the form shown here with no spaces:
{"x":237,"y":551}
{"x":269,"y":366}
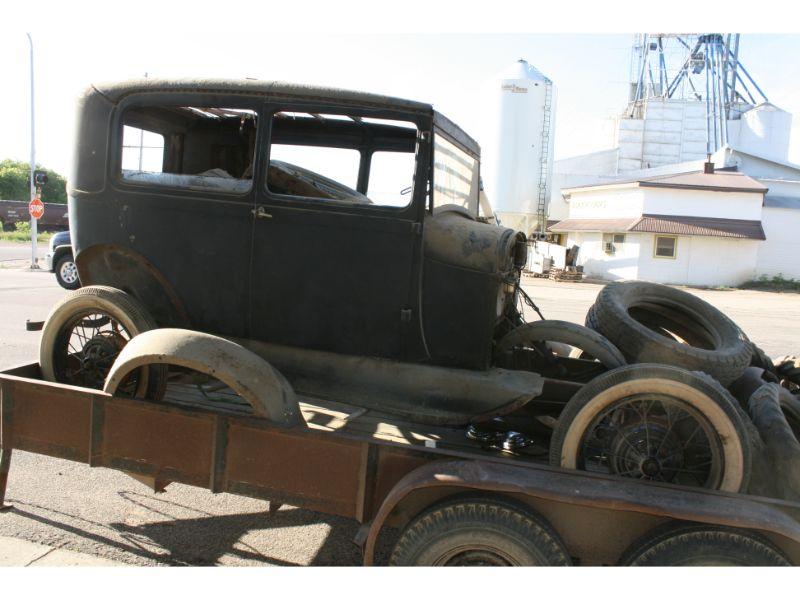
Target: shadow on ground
{"x":207,"y":538}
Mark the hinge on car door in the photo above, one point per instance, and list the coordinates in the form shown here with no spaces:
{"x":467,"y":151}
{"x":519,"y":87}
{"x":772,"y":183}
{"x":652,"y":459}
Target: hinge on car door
{"x":405,"y":315}
{"x":416,"y":228}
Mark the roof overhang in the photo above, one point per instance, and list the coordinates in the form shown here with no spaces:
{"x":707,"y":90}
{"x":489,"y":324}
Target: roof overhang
{"x":668,"y":224}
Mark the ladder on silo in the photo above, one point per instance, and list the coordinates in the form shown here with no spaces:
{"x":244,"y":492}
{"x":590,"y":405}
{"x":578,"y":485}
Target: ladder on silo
{"x":544,"y":160}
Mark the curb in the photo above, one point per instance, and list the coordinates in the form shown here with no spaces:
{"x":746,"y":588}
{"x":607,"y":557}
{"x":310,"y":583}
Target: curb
{"x":15,"y":552}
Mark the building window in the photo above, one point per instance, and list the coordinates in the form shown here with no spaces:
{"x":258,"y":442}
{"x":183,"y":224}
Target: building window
{"x":611,"y":241}
{"x":666,"y":246}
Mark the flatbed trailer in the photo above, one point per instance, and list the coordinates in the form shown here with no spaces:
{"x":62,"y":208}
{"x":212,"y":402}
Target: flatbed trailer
{"x":356,"y":463}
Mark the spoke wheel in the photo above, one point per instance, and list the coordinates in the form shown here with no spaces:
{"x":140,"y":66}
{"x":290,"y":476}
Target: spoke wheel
{"x":657,"y":438}
{"x":84,"y":334}
{"x":655,"y":423}
{"x":86,"y":347}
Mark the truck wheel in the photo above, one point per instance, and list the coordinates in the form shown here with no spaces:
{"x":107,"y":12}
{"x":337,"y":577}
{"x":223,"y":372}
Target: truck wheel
{"x":511,"y":350}
{"x":688,"y":545}
{"x":85,"y":332}
{"x":652,"y":323}
{"x":479,"y":532}
{"x":67,"y":272}
{"x":655,"y":423}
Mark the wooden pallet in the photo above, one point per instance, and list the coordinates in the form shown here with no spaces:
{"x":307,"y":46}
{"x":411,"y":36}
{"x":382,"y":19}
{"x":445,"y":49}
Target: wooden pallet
{"x":564,"y":275}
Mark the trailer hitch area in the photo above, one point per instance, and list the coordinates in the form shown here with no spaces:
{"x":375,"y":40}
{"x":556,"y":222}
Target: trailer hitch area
{"x":33,"y":325}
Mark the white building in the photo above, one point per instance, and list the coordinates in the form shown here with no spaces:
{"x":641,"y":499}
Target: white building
{"x":606,"y":186}
{"x":667,"y":228}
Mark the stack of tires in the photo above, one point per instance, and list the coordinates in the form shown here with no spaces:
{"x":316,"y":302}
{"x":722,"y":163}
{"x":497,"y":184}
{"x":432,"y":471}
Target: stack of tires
{"x":683,"y":358}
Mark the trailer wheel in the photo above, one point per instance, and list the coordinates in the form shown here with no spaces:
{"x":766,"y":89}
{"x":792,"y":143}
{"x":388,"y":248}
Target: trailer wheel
{"x":86,"y":331}
{"x":656,"y":423}
{"x":688,"y":545}
{"x":479,"y":532}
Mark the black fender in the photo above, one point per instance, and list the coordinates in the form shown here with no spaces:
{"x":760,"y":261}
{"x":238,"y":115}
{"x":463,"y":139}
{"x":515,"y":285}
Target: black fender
{"x":129,"y":271}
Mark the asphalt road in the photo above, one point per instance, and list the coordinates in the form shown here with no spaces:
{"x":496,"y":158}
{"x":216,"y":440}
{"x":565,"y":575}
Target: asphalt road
{"x":108,"y":514}
{"x":20,"y":253}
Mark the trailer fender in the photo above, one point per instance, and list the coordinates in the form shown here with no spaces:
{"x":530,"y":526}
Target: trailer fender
{"x":434,"y":481}
{"x":254,"y":379}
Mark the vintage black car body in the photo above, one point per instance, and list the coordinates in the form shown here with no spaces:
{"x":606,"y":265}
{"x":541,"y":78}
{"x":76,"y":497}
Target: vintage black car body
{"x":243,"y":257}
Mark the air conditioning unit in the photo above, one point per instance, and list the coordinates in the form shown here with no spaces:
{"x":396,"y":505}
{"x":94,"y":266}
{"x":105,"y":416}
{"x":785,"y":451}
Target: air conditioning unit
{"x":609,"y":248}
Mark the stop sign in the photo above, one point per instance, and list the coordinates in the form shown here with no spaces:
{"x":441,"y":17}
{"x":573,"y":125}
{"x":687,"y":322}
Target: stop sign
{"x":36,"y":208}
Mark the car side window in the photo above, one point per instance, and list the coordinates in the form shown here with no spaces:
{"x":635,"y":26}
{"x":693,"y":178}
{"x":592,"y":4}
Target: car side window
{"x":341,"y":159}
{"x":201,"y":148}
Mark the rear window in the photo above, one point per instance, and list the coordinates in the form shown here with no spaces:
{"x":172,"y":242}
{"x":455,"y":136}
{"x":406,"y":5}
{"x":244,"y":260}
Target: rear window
{"x":202,"y":148}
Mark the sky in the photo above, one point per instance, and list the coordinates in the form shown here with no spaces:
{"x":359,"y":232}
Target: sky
{"x":590,"y":72}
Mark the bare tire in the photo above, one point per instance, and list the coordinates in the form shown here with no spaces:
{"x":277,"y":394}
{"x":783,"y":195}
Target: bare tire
{"x":655,"y":423}
{"x":479,"y":532}
{"x":85,"y":332}
{"x":790,"y":405}
{"x":552,"y":334}
{"x":67,"y":272}
{"x":652,"y":323}
{"x":688,"y":544}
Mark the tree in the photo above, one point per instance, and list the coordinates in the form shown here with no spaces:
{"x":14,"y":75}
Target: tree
{"x":14,"y":176}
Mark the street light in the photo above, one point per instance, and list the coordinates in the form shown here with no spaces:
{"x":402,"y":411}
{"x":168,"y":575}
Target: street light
{"x":34,"y":222}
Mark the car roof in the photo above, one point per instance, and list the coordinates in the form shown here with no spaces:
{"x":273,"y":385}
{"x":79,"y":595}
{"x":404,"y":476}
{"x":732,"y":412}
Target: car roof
{"x":116,"y":91}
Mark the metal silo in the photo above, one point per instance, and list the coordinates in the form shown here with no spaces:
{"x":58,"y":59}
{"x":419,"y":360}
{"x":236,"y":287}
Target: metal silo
{"x":517,"y":149}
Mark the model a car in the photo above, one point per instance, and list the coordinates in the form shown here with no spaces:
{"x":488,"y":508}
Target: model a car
{"x":59,"y":260}
{"x":328,"y":244}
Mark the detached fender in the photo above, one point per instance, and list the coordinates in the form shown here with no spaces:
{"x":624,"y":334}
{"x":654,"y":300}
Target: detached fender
{"x":250,"y":376}
{"x":431,"y":482}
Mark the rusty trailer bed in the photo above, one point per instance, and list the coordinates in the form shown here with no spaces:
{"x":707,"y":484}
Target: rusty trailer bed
{"x":349,"y":462}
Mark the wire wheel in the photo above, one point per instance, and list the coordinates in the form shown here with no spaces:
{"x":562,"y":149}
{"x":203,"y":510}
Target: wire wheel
{"x":655,"y":423}
{"x":656,"y":438}
{"x":85,"y":349}
{"x":85,"y":332}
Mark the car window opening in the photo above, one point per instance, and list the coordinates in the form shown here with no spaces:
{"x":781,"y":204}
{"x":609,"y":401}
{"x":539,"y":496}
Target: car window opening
{"x":349,"y":159}
{"x":189,"y":147}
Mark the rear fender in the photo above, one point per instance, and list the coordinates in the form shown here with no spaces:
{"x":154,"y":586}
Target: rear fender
{"x":127,"y":270}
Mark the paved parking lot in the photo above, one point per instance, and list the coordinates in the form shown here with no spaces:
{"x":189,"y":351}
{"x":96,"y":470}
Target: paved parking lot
{"x":106,"y":514}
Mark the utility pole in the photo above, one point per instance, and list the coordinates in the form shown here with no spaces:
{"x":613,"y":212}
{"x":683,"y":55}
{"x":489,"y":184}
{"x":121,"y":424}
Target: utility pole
{"x":34,"y":222}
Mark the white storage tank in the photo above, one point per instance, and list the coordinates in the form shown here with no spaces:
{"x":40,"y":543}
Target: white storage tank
{"x":517,"y":144}
{"x":764,"y":131}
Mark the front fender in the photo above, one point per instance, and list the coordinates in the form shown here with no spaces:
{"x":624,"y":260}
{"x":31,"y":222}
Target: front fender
{"x":250,"y":376}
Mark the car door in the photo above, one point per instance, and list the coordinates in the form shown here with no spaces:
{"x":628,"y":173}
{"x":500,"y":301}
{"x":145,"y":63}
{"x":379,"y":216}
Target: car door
{"x":336,"y":274}
{"x":184,"y":202}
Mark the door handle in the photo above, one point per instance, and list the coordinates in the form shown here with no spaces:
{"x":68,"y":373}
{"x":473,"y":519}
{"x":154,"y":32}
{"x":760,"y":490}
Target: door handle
{"x":261,"y":213}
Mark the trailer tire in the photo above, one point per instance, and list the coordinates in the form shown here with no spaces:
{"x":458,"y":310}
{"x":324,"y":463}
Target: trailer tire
{"x":112,"y":305}
{"x":727,"y":351}
{"x":610,"y":398}
{"x":689,"y":544}
{"x":476,"y":531}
